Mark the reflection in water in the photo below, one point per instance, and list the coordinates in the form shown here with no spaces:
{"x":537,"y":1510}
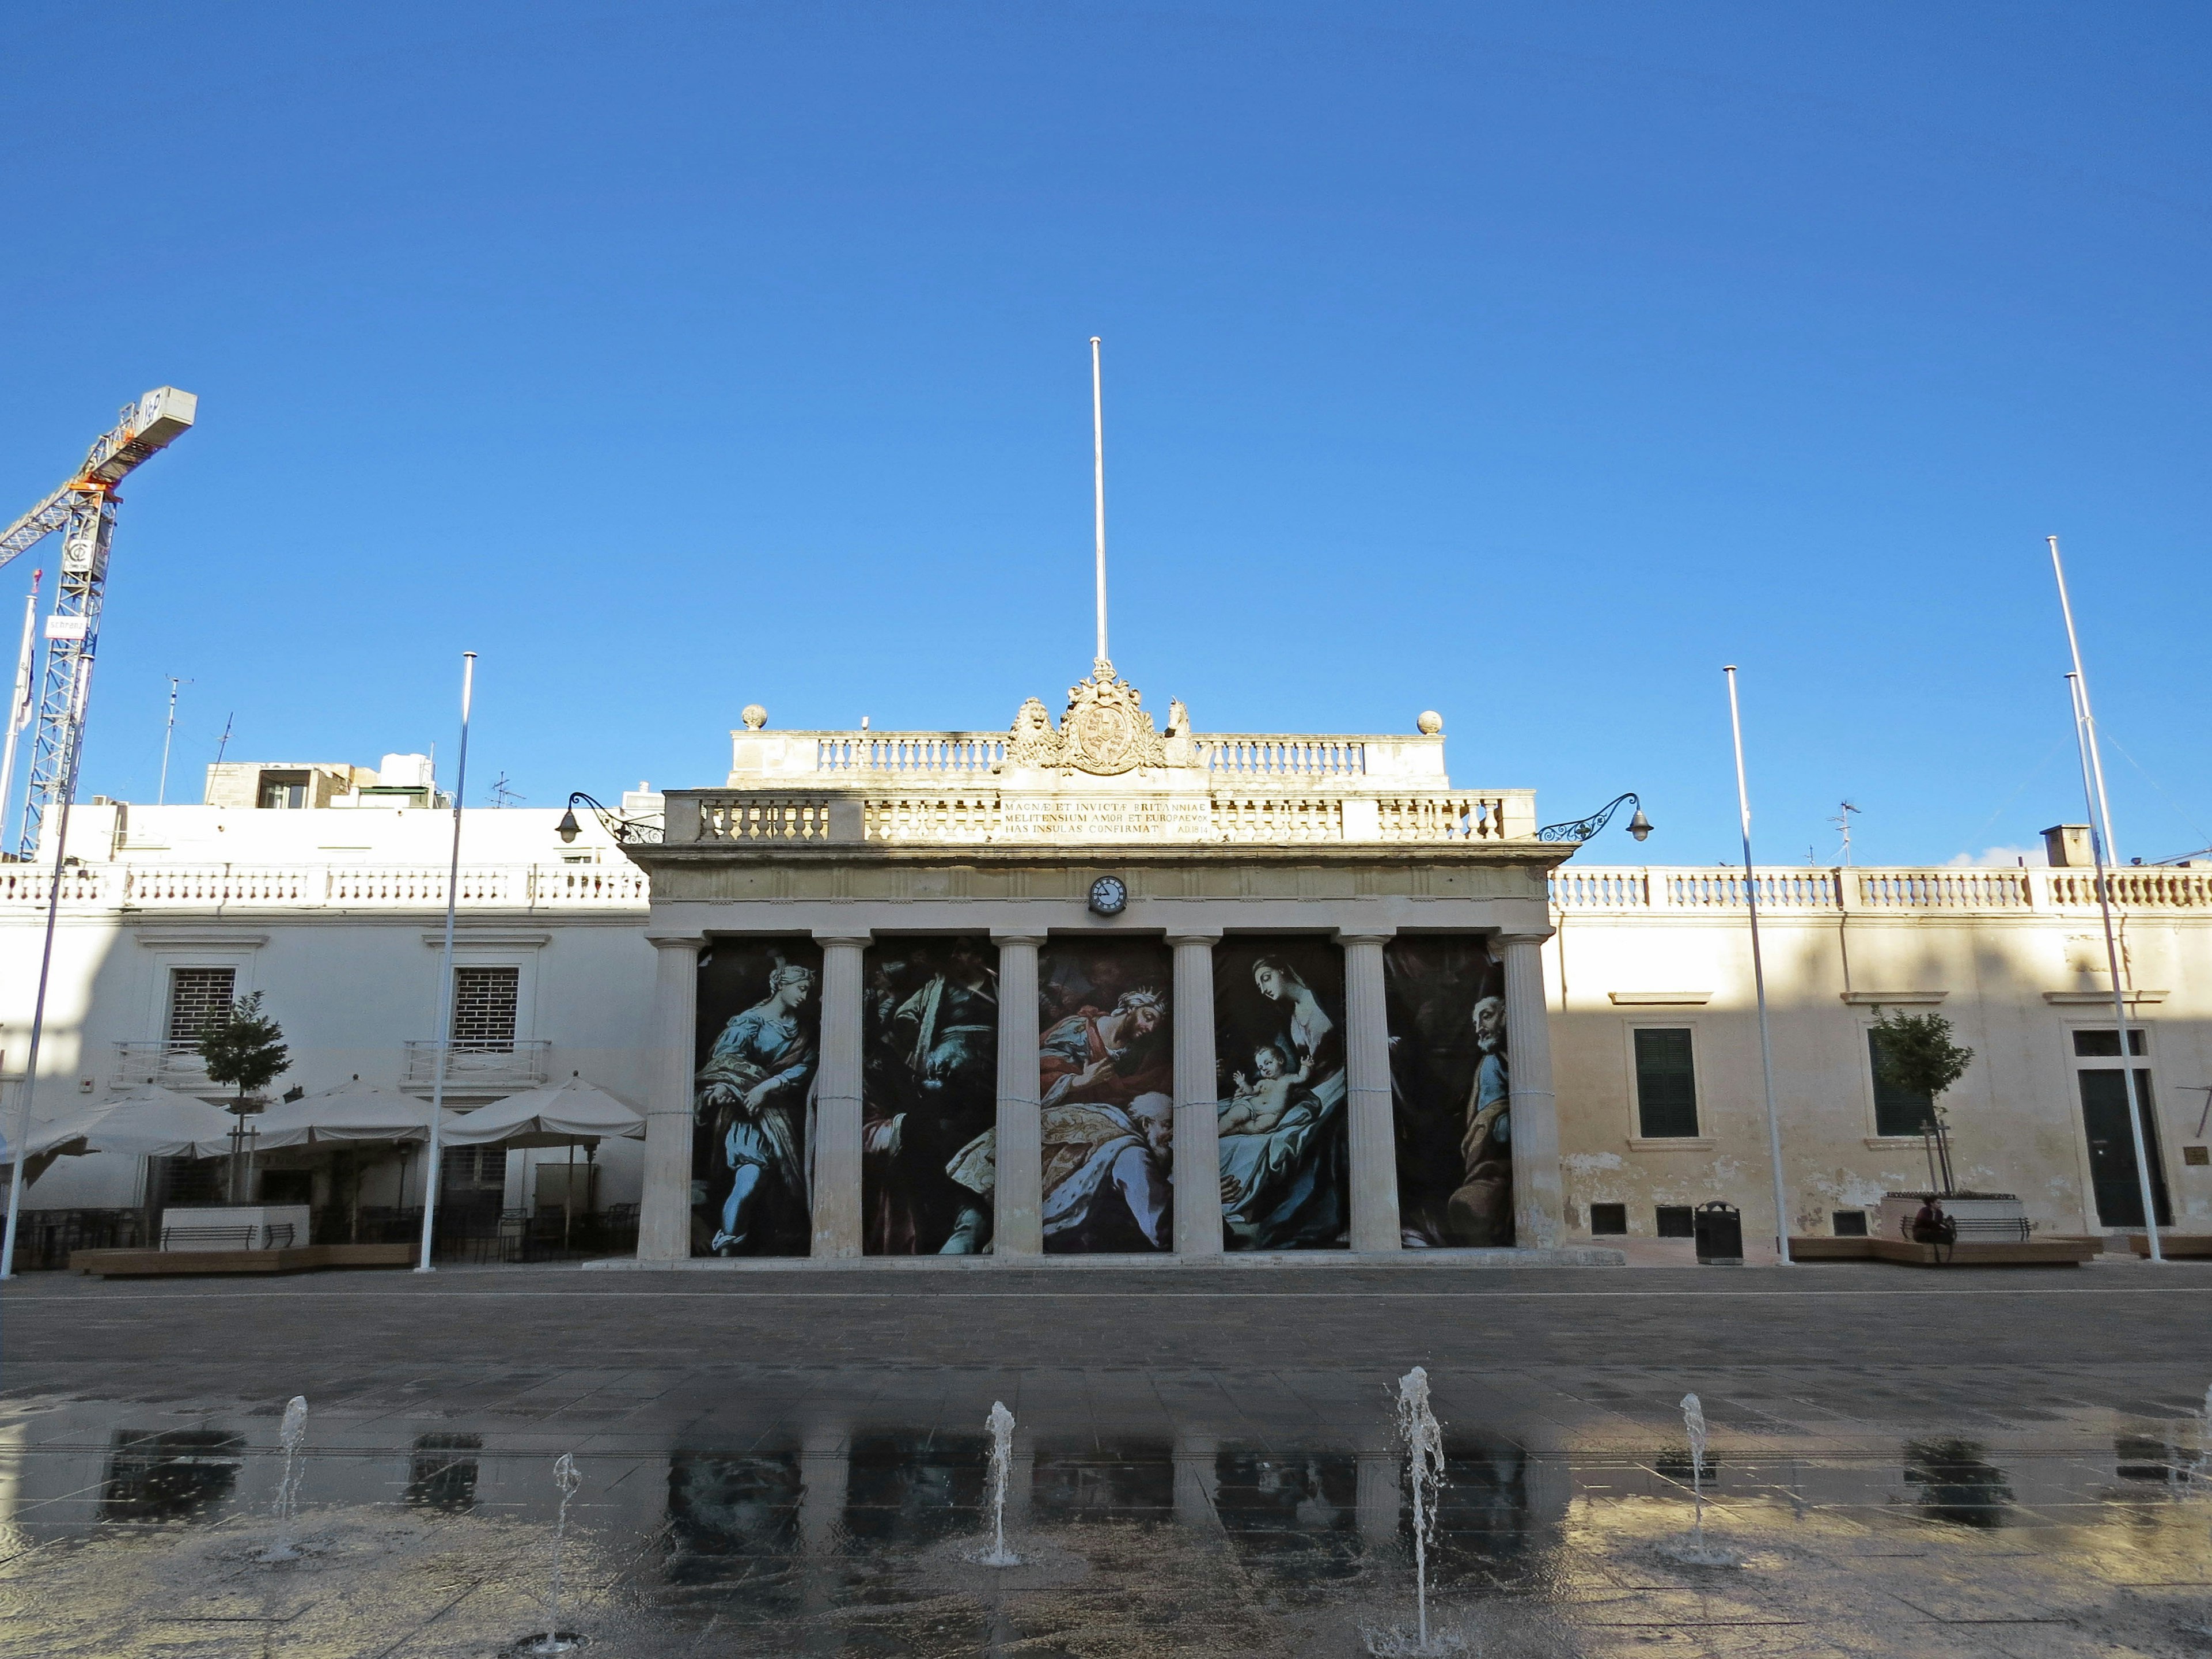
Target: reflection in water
{"x":1957,"y":1483}
{"x":438,"y":1479}
{"x":731,"y":1505}
{"x":915,"y":1489}
{"x":172,"y":1475}
{"x":1134,"y":1482}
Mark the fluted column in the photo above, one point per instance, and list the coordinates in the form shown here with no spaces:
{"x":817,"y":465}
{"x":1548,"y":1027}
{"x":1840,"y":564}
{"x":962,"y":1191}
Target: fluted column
{"x":1538,"y":1213}
{"x":1018,"y":1228}
{"x":836,"y":1150}
{"x":1367,"y":1077}
{"x":664,"y":1215}
{"x":1197,"y":1122}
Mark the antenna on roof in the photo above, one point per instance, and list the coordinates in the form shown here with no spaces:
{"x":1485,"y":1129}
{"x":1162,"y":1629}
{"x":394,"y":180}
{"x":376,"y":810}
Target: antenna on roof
{"x":1843,"y":822}
{"x":225,"y":741}
{"x":1098,"y":492}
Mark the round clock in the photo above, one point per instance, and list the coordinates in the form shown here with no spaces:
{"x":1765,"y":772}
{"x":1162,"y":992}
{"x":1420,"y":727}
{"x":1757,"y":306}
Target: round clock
{"x":1108,"y":895}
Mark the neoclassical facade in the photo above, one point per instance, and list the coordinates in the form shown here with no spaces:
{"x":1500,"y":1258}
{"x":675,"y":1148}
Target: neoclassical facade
{"x":1008,"y":990}
{"x":1095,"y":984}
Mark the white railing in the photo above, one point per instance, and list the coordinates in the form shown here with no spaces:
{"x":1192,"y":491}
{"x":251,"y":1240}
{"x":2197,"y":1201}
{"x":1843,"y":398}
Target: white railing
{"x":171,"y":1065}
{"x":478,"y":1065}
{"x":1786,"y":888}
{"x":1455,"y":816}
{"x":764,"y":817}
{"x":1238,"y":756}
{"x":1256,"y":818}
{"x":905,"y":753}
{"x":328,"y":886}
{"x":950,"y":817}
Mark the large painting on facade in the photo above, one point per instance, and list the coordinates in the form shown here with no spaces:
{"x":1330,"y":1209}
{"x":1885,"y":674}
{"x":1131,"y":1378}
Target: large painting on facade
{"x":1446,"y":999}
{"x":1106,"y":1052}
{"x":1279,"y":1046}
{"x":752,"y":1097}
{"x":929,"y":1087}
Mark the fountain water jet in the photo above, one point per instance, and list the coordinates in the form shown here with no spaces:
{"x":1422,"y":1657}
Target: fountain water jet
{"x":1695,"y":1551}
{"x":1425,"y":1467}
{"x":293,"y":1431}
{"x":1001,"y":1425}
{"x":553,"y":1639}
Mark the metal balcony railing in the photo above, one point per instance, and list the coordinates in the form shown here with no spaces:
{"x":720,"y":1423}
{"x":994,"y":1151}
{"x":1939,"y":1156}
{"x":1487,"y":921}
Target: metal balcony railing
{"x":474,"y":1067}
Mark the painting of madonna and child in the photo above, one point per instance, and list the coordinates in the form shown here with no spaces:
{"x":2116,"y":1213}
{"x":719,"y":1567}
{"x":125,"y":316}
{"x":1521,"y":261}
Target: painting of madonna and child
{"x":1279,"y":1063}
{"x":753,"y":1096}
{"x":1445,"y":999}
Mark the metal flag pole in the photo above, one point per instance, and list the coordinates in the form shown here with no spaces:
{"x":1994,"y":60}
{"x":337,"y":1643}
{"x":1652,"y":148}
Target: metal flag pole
{"x":18,"y":705}
{"x":433,"y":1170}
{"x":73,"y":738}
{"x":1098,"y":489}
{"x":1759,"y":979}
{"x":2085,"y":740}
{"x":168,"y":732}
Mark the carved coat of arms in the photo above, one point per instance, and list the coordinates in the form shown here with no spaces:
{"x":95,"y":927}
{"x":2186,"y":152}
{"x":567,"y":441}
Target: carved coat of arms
{"x":1105,"y":732}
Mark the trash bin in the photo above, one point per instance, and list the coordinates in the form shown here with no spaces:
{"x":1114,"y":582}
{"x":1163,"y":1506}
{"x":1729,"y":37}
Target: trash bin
{"x":1719,"y":1230}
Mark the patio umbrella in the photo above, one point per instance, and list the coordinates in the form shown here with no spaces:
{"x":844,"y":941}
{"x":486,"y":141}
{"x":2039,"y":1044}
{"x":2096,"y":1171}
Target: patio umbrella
{"x":147,"y":1122}
{"x":350,"y":1114}
{"x":572,"y":1114}
{"x":569,"y":1113}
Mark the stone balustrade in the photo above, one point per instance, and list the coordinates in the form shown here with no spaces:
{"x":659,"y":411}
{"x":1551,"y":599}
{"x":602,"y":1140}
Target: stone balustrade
{"x":977,"y":816}
{"x":562,"y":887}
{"x":1798,"y":889}
{"x":1225,"y":758}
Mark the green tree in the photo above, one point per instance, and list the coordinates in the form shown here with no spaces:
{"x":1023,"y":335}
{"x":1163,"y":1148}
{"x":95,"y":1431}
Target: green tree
{"x":243,"y":1047}
{"x":1916,"y":1053}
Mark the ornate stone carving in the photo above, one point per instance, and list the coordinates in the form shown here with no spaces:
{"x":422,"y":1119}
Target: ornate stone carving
{"x":1106,"y":730}
{"x":1032,"y":742}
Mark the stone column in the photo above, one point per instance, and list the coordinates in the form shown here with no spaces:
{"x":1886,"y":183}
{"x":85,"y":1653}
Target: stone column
{"x":1197,"y":1125}
{"x":1538,"y":1200}
{"x":836,"y":1150}
{"x":1367,"y":1068}
{"x":1018,"y":1228}
{"x":664,"y":1216}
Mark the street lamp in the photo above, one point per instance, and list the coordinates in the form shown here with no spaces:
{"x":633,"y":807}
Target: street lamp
{"x":625,"y":830}
{"x":1585,"y":829}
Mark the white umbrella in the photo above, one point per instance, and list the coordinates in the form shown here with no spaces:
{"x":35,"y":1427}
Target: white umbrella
{"x":351,"y":1112}
{"x":567,"y":1115}
{"x":147,"y":1122}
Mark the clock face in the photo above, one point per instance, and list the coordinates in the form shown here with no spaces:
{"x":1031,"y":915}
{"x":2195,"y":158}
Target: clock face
{"x":1108,"y":895}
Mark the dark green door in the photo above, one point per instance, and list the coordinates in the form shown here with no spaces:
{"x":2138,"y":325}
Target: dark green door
{"x":2112,"y":1149}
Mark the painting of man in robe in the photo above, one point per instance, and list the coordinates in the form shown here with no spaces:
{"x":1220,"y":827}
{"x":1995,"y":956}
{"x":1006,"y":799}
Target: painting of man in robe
{"x":1106,"y":1065}
{"x":752,"y":1099}
{"x":1279,"y":1046}
{"x":929,"y":1089}
{"x":1449,"y":1078}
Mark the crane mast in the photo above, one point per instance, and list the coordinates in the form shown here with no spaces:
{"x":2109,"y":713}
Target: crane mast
{"x":83,"y":511}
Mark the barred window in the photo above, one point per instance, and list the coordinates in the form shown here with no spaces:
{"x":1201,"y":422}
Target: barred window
{"x":483,"y":1008}
{"x":197,"y":998}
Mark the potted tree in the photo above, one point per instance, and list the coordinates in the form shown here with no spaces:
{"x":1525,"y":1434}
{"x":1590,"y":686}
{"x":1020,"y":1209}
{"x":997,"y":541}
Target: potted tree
{"x":1916,"y":1053}
{"x":243,"y":1047}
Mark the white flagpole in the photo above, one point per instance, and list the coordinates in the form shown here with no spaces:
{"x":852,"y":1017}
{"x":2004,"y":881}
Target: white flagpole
{"x":73,"y":737}
{"x":1098,"y":489}
{"x":18,"y":705}
{"x":2085,"y":740}
{"x":433,"y":1172}
{"x":1759,"y":981}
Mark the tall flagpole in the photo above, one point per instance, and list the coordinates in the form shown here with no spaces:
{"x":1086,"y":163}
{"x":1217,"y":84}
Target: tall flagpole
{"x":73,"y":740}
{"x":1098,"y":490}
{"x":1759,"y":981}
{"x":433,"y":1173}
{"x":2085,"y":739}
{"x":18,"y":705}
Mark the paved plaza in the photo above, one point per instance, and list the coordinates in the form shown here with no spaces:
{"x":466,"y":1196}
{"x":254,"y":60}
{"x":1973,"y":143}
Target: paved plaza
{"x":1971,"y":1462}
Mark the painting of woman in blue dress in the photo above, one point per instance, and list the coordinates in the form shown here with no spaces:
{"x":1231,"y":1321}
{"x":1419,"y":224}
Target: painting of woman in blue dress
{"x":1450,"y":1081}
{"x":1278,"y":1043}
{"x":753,"y":1098}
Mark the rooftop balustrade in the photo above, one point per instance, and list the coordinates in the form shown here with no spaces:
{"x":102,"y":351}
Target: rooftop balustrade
{"x":199,"y":887}
{"x":952,"y":757}
{"x":1785,"y":889}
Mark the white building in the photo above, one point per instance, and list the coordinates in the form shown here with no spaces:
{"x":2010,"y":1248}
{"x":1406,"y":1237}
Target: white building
{"x":1419,"y":973}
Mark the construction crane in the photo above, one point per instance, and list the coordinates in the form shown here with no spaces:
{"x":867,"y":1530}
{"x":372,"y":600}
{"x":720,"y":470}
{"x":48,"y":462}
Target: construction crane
{"x":83,"y":511}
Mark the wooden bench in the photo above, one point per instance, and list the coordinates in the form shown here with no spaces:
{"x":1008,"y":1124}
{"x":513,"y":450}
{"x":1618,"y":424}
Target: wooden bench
{"x":304,"y":1258}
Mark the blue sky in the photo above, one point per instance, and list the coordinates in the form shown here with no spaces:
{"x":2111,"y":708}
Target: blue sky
{"x":1527,"y":364}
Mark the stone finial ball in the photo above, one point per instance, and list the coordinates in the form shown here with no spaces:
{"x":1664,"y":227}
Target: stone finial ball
{"x":1430,"y":723}
{"x":754,"y":717}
